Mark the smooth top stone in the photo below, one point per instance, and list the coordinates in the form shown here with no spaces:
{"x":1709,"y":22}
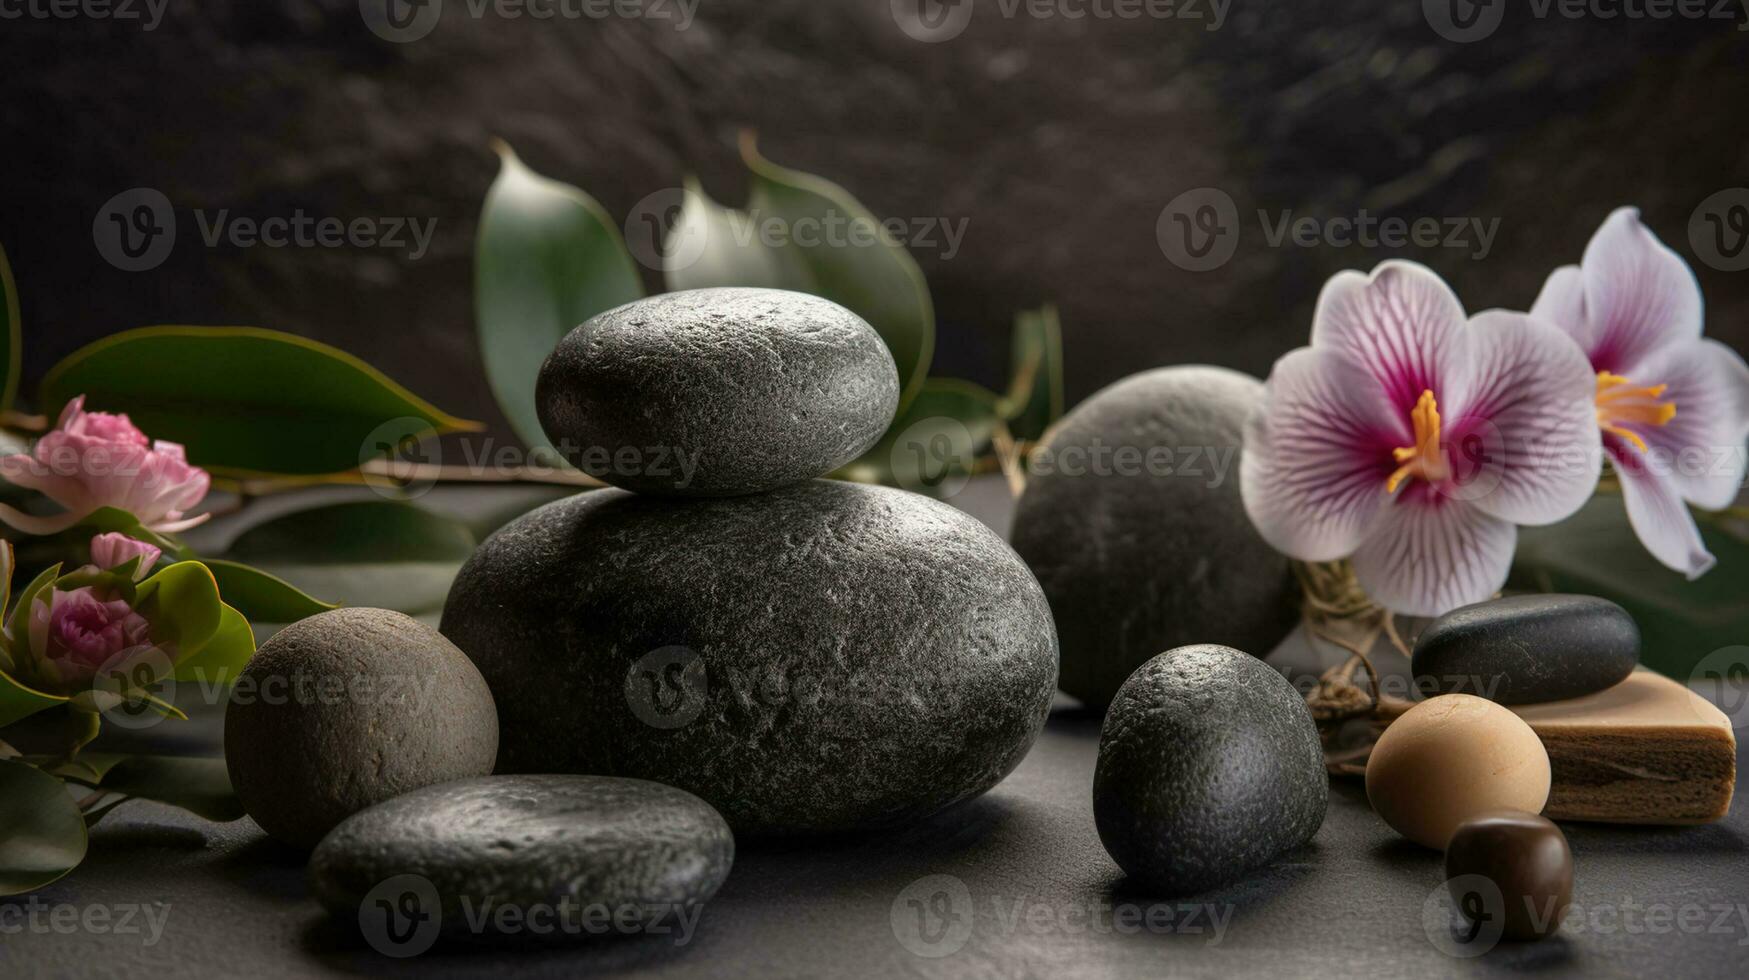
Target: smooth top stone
{"x":1510,"y":871}
{"x":1133,"y":523}
{"x":624,"y":855}
{"x":717,"y":392}
{"x":346,"y":709}
{"x":1209,"y":766}
{"x":1528,"y":649}
{"x":826,"y":658}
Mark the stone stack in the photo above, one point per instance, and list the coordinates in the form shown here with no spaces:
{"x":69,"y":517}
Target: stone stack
{"x":809,"y":656}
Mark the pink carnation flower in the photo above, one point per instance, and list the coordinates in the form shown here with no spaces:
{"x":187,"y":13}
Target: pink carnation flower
{"x":115,"y":549}
{"x":93,"y":460}
{"x":74,"y":633}
{"x":1413,"y":440}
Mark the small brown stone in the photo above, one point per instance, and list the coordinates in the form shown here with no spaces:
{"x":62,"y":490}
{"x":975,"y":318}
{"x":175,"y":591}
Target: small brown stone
{"x":1527,"y":860}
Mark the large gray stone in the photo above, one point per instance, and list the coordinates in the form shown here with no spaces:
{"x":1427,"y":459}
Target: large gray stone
{"x":827,"y":657}
{"x":717,"y":392}
{"x":530,"y":857}
{"x":1209,"y":766}
{"x":1133,"y":522}
{"x":346,"y":709}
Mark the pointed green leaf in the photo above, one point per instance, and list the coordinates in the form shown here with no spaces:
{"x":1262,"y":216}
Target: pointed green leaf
{"x":261,"y":596}
{"x":548,"y":258}
{"x":182,"y":603}
{"x":868,"y":272}
{"x":42,"y":832}
{"x":1035,"y":387}
{"x":380,"y":553}
{"x":199,"y":785}
{"x":245,"y":400}
{"x":11,"y":335}
{"x":19,"y":701}
{"x":222,"y":657}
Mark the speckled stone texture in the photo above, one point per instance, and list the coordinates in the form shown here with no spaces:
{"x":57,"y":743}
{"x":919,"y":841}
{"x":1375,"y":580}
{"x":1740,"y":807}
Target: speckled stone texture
{"x":649,"y":854}
{"x":717,"y":392}
{"x":829,"y":657}
{"x":1137,"y":531}
{"x":1527,"y":649}
{"x":1209,"y":766}
{"x":346,"y":709}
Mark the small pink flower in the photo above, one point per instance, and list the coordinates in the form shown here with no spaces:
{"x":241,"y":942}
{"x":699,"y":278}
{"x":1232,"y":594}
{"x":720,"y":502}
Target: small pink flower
{"x":94,"y":460}
{"x":115,"y":549}
{"x":1413,"y":440}
{"x":1673,"y":407}
{"x":74,"y":633}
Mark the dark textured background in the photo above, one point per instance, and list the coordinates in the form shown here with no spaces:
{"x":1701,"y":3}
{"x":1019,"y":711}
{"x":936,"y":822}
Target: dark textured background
{"x":1059,"y":140}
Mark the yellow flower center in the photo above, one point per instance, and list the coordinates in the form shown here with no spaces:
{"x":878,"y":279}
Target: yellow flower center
{"x":1617,"y":403}
{"x":1425,"y":459}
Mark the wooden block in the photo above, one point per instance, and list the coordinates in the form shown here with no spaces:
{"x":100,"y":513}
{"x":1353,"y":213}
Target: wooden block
{"x":1647,"y":750}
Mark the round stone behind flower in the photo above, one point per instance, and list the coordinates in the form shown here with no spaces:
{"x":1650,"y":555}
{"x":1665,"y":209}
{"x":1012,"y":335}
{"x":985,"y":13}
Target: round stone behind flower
{"x":824,"y":658}
{"x":1133,"y":523}
{"x":346,"y":709}
{"x":1209,"y":766}
{"x":531,"y":858}
{"x":717,"y":392}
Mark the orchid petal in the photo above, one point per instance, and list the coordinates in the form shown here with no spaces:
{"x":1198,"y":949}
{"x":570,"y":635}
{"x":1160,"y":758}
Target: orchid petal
{"x":1316,"y":456}
{"x":1404,"y":324}
{"x":1639,"y":296}
{"x":1526,"y":445}
{"x":1429,"y":554}
{"x":1659,"y":517}
{"x":1701,"y":447}
{"x":1562,"y":301}
{"x":174,"y":527}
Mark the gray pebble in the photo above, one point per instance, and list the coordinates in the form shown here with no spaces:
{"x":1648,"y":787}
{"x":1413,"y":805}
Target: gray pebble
{"x":1528,"y":649}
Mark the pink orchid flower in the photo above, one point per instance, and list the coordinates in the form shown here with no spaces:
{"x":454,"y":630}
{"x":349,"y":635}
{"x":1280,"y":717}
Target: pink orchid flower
{"x":93,"y":460}
{"x":1413,"y":440}
{"x":76,"y":632}
{"x":1673,"y":407}
{"x":115,"y":549}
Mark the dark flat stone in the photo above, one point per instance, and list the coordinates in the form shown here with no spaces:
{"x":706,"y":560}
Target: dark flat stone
{"x":1527,"y":649}
{"x":717,"y":392}
{"x":527,"y":858}
{"x":827,"y":657}
{"x":1209,"y":766}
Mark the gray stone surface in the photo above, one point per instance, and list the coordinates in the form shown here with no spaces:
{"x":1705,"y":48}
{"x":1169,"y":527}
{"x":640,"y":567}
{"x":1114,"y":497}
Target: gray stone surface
{"x":717,"y":392}
{"x":349,"y":708}
{"x":827,"y":657}
{"x":1137,"y":531}
{"x":1527,"y":649}
{"x":1209,"y":766}
{"x":559,"y":850}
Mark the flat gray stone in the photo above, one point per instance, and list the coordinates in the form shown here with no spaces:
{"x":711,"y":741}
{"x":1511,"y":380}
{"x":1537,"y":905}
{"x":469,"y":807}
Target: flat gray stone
{"x":1133,"y":522}
{"x":717,"y":392}
{"x":526,"y":858}
{"x":1209,"y":766}
{"x":828,"y":657}
{"x":1527,"y":649}
{"x":346,"y":709}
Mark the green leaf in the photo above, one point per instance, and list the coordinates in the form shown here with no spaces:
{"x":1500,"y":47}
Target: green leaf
{"x":1035,"y":386}
{"x":1595,"y":552}
{"x":182,"y":603}
{"x":548,"y":258}
{"x":42,"y":832}
{"x":261,"y":596}
{"x":379,"y":553}
{"x":19,"y":701}
{"x":938,"y":437}
{"x":870,"y":273}
{"x":198,"y":785}
{"x":246,"y":400}
{"x":11,"y":335}
{"x":222,"y":657}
